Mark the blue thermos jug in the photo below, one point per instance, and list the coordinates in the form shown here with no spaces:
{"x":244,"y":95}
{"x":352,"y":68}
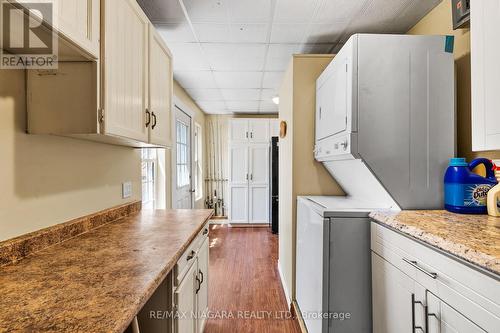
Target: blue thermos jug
{"x":464,"y":191}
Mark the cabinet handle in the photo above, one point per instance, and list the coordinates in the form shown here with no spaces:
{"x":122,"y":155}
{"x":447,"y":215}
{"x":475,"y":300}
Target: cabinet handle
{"x":148,"y":118}
{"x":427,"y":316}
{"x":191,"y":255}
{"x":247,"y":135}
{"x":251,"y":176}
{"x":413,"y":302}
{"x":415,"y":264}
{"x":247,"y":176}
{"x":154,"y":120}
{"x":199,"y":284}
{"x":205,"y":232}
{"x":202,"y":277}
{"x":251,"y":135}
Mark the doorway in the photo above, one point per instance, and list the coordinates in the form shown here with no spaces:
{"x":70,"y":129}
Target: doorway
{"x":182,"y":184}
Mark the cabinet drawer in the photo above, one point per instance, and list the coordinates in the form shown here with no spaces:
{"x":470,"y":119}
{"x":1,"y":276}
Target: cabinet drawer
{"x":189,"y":255}
{"x":462,"y":287}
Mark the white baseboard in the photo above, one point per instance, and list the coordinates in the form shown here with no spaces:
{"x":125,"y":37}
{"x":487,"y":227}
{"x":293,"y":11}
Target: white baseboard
{"x":285,"y":289}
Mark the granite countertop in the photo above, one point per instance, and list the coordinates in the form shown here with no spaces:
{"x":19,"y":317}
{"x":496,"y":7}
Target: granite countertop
{"x":99,"y":280}
{"x":473,"y":238}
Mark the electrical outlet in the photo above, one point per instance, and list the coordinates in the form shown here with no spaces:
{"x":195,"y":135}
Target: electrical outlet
{"x":126,"y":190}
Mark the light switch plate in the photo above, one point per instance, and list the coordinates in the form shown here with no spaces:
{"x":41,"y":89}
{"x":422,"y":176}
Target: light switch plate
{"x":126,"y":190}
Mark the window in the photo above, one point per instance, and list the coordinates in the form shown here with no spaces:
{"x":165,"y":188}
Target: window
{"x":182,"y":154}
{"x":198,"y":162}
{"x":149,"y":164}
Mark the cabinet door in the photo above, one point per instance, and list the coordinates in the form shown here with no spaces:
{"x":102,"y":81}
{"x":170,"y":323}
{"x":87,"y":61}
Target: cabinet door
{"x":274,"y":128}
{"x":238,"y":130}
{"x":79,"y":21}
{"x":125,"y":69}
{"x":203,"y":258}
{"x":485,"y":15}
{"x":395,"y":296}
{"x":259,"y":204}
{"x":238,"y":203}
{"x":238,"y":183}
{"x":160,"y":89}
{"x":259,"y":164}
{"x":259,"y":130}
{"x":185,"y":301}
{"x":445,"y":319}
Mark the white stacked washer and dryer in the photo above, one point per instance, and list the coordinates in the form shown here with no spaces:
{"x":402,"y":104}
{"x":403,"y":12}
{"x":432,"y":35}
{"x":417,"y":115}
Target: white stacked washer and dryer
{"x":385,"y":130}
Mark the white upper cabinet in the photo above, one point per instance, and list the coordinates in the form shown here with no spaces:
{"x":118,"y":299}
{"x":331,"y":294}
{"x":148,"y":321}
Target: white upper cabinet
{"x":249,"y":130}
{"x":124,"y":98}
{"x":78,"y":21}
{"x":238,"y":130}
{"x":259,"y":130}
{"x":160,"y":90}
{"x":125,"y":69}
{"x":485,"y":52}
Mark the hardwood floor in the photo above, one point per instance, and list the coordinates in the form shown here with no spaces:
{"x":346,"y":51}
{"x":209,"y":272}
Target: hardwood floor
{"x":244,"y":277}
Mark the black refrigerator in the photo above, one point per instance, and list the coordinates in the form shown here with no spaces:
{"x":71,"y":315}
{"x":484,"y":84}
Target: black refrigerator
{"x":274,"y":181}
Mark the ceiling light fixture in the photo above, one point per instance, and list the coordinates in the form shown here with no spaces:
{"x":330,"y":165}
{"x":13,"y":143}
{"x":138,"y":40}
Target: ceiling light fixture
{"x":276,"y":100}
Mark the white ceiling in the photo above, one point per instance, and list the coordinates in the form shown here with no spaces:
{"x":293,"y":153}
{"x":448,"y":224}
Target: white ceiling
{"x":230,"y":55}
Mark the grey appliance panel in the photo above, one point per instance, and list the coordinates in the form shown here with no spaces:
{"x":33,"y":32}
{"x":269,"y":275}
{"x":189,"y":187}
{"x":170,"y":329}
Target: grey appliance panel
{"x":349,"y":275}
{"x":406,"y":123}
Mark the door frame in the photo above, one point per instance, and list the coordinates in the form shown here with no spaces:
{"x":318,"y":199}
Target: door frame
{"x":178,"y":104}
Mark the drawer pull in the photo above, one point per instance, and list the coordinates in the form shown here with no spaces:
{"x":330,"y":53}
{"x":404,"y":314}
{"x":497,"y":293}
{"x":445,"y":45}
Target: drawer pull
{"x":199,"y":285}
{"x":415,"y":264}
{"x":202,"y":277}
{"x":413,"y":302}
{"x":205,"y":232}
{"x":191,"y":255}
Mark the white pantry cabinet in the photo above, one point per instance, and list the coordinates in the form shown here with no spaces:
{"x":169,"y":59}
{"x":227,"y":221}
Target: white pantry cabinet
{"x":124,"y":98}
{"x":249,"y":182}
{"x":417,"y":289}
{"x":485,"y":67}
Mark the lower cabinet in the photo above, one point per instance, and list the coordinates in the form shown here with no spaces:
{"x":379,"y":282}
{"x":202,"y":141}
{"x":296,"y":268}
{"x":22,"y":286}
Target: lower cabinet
{"x":191,"y":296}
{"x":180,"y":303}
{"x":417,"y":289}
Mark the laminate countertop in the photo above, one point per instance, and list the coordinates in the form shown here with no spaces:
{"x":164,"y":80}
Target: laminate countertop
{"x":473,"y":238}
{"x":99,"y":280}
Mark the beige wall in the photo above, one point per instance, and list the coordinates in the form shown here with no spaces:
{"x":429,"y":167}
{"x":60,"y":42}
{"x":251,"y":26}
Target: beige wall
{"x":439,"y":22}
{"x":199,"y":118}
{"x":300,"y":174}
{"x":46,"y":180}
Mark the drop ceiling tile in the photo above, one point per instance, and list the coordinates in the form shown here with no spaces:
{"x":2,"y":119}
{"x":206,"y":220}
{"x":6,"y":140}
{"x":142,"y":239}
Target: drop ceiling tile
{"x":295,"y":11}
{"x":212,"y":105}
{"x":213,"y":32}
{"x":268,"y":94}
{"x":249,"y":32}
{"x":272,"y":79}
{"x":165,"y":11}
{"x":205,"y":94}
{"x":288,"y":33}
{"x":187,"y":56}
{"x":243,"y":105}
{"x":176,"y":32}
{"x":195,"y":79}
{"x":250,"y":11}
{"x":240,"y":94}
{"x":235,"y":57}
{"x":316,"y":48}
{"x":324,"y":33}
{"x":238,"y":79}
{"x":338,"y":10}
{"x":279,"y":56}
{"x":268,"y":106}
{"x":207,"y":10}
